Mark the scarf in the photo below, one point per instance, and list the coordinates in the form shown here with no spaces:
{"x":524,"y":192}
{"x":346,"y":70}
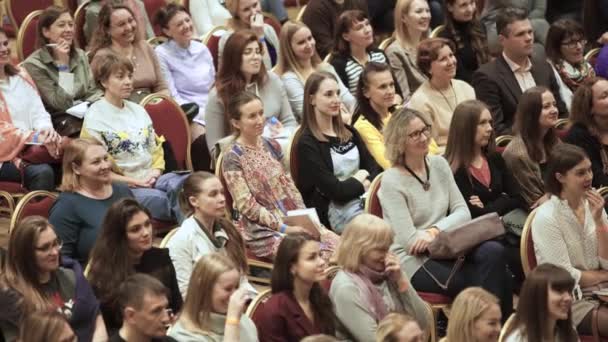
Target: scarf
{"x":365,"y":280}
{"x":574,"y":75}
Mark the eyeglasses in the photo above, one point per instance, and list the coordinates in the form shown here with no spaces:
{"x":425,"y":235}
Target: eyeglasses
{"x":417,"y":135}
{"x":47,"y":247}
{"x":573,"y":43}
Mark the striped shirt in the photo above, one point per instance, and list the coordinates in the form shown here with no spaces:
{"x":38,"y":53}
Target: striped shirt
{"x":354,"y":69}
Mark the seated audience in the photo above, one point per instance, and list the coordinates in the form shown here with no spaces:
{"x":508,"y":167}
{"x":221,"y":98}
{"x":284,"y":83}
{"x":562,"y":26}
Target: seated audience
{"x":124,"y":247}
{"x":144,"y":304}
{"x":565,"y":47}
{"x":438,"y":96}
{"x":353,"y":49}
{"x":207,"y":14}
{"x":264,"y":196}
{"x":413,"y":18}
{"x":589,"y":128}
{"x":117,"y":33}
{"x":334,"y":166}
{"x":186,"y":63}
{"x":321,"y":17}
{"x":419,"y":199}
{"x":298,"y":59}
{"x":46,"y":326}
{"x":544,"y":310}
{"x":527,"y":154}
{"x":87,"y":191}
{"x":501,"y":82}
{"x":398,"y":327}
{"x":475,"y":317}
{"x":92,"y":14}
{"x":215,"y":304}
{"x":126,"y":130}
{"x":569,"y":231}
{"x":22,"y":123}
{"x":35,"y":279}
{"x":60,"y":70}
{"x":463,"y":29}
{"x":371,"y":283}
{"x":241,"y":70}
{"x":206,"y":229}
{"x":247,"y":15}
{"x":298,"y":307}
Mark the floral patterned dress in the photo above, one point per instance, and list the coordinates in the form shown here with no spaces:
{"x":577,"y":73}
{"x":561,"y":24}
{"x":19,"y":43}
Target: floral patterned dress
{"x":263,"y":193}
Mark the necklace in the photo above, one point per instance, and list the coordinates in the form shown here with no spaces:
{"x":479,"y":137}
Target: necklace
{"x":425,"y":185}
{"x":445,"y":97}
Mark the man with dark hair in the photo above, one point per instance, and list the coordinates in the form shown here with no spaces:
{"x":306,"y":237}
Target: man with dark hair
{"x":501,"y":82}
{"x":144,"y":305}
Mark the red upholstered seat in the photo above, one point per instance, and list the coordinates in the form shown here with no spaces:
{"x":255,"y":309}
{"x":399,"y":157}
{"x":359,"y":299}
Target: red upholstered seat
{"x":213,"y":44}
{"x":295,"y":3}
{"x":34,"y":203}
{"x":72,"y":5}
{"x":26,"y":38}
{"x":274,"y":22}
{"x":252,"y":256}
{"x":434,"y":298}
{"x":162,"y":227}
{"x":372,"y":203}
{"x":18,"y":10}
{"x":12,"y":187}
{"x":79,"y":19}
{"x":152,"y":6}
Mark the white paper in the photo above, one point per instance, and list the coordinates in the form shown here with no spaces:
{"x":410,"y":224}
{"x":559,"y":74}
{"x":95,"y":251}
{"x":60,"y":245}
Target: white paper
{"x":78,"y":110}
{"x":311,"y":212}
{"x":66,"y":82}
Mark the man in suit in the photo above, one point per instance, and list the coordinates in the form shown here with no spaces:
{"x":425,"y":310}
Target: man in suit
{"x":501,"y":82}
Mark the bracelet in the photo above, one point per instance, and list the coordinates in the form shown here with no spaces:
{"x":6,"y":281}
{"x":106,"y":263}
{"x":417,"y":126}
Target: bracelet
{"x":35,"y":137}
{"x":233,"y":321}
{"x":283,"y":228}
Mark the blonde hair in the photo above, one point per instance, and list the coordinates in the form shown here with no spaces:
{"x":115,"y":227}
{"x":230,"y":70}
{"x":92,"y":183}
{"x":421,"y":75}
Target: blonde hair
{"x":287,"y":58}
{"x":235,"y":22}
{"x":199,"y":298}
{"x":401,"y":30}
{"x":395,"y":134}
{"x":43,"y":326}
{"x":363,"y":234}
{"x":391,"y":325}
{"x":74,"y":154}
{"x":468,"y":306}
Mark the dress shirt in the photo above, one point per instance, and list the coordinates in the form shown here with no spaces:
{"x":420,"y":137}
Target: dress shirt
{"x":522,"y":73}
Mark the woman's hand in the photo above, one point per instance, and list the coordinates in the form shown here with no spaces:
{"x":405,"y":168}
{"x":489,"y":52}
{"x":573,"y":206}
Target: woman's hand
{"x":421,"y":245}
{"x":275,"y":127}
{"x":596,"y":205}
{"x":393,"y":267}
{"x":236,"y":304}
{"x":295,"y":230}
{"x":361,"y":175}
{"x":61,"y":52}
{"x":366,"y":184}
{"x":257,"y":24}
{"x":152,"y":177}
{"x":474,"y":200}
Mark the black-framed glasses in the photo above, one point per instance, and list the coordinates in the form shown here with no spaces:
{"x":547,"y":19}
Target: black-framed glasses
{"x":47,"y":247}
{"x":571,"y":44}
{"x":417,"y":135}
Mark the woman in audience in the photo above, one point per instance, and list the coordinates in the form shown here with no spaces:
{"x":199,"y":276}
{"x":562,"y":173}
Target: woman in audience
{"x":526,"y":155}
{"x":206,"y":230}
{"x":87,"y":191}
{"x":569,"y":231}
{"x":438,"y":96}
{"x":412,"y":19}
{"x":35,"y":279}
{"x":242,"y":70}
{"x":117,"y":32}
{"x":463,"y":29}
{"x":353,"y":49}
{"x":544,"y":310}
{"x":60,"y":70}
{"x":215,"y":304}
{"x":206,"y":14}
{"x":334,"y":166}
{"x":46,"y":326}
{"x":419,"y":199}
{"x":262,"y":196}
{"x":475,"y":317}
{"x":589,"y":115}
{"x":186,"y":63}
{"x":399,"y":327}
{"x":125,"y":247}
{"x":299,"y":59}
{"x":565,"y":48}
{"x":371,"y":282}
{"x":93,"y":9}
{"x":247,"y":15}
{"x":298,"y":307}
{"x":126,"y":130}
{"x":23,"y":121}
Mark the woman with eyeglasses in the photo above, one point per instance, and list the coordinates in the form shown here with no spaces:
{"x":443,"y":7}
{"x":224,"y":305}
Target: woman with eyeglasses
{"x":420,"y":198}
{"x":35,"y":278}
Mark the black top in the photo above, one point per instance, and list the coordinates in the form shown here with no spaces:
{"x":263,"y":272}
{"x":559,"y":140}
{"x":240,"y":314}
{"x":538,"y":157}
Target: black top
{"x":580,"y":136}
{"x":116,"y":338}
{"x":501,"y":197}
{"x":466,"y":56}
{"x":316,"y":180}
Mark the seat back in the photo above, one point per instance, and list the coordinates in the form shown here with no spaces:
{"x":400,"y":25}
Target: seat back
{"x":170,"y":121}
{"x":18,"y":10}
{"x":330,"y":274}
{"x":165,"y":240}
{"x":79,"y":19}
{"x":502,"y":142}
{"x":372,"y":202}
{"x":152,"y":6}
{"x":562,"y":127}
{"x":528,"y":257}
{"x":7,"y":204}
{"x":156,"y":41}
{"x":506,"y":327}
{"x":37,"y":202}
{"x":436,"y":31}
{"x":591,"y":56}
{"x":71,"y":5}
{"x":258,"y":302}
{"x":301,"y":13}
{"x":26,"y":37}
{"x":271,"y":20}
{"x":212,"y":40}
{"x":219,"y":172}
{"x":385,"y":43}
{"x":292,"y":162}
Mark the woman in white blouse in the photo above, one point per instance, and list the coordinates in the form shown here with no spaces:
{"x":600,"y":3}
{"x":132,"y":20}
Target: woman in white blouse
{"x":571,"y":230}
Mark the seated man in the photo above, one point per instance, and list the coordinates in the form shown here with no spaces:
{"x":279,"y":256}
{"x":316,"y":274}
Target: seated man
{"x":144,"y":304}
{"x":501,"y":82}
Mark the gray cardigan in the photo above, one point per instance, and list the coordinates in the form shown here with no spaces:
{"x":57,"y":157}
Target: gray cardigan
{"x":275,"y":103}
{"x":248,"y":331}
{"x":269,"y":34}
{"x":411,"y":211}
{"x":405,"y":69}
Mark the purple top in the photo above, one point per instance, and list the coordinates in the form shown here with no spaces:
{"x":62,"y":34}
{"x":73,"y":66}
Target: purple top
{"x":601,"y":63}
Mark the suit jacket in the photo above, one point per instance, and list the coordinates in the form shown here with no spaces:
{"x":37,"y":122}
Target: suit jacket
{"x":496,"y":85}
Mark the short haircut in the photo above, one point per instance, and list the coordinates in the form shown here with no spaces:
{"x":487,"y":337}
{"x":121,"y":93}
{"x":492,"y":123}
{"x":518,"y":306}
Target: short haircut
{"x":428,"y":52}
{"x":508,"y":16}
{"x":133,"y":290}
{"x":47,"y":18}
{"x":563,"y":158}
{"x":106,"y":63}
{"x":560,"y":31}
{"x":164,"y":14}
{"x":74,"y":154}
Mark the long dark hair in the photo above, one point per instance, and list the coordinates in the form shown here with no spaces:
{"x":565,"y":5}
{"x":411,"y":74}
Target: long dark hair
{"x":473,"y":31}
{"x":282,"y":280}
{"x":527,"y":124}
{"x":364,"y":107}
{"x":532,"y":311}
{"x":345,"y":23}
{"x":101,"y":36}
